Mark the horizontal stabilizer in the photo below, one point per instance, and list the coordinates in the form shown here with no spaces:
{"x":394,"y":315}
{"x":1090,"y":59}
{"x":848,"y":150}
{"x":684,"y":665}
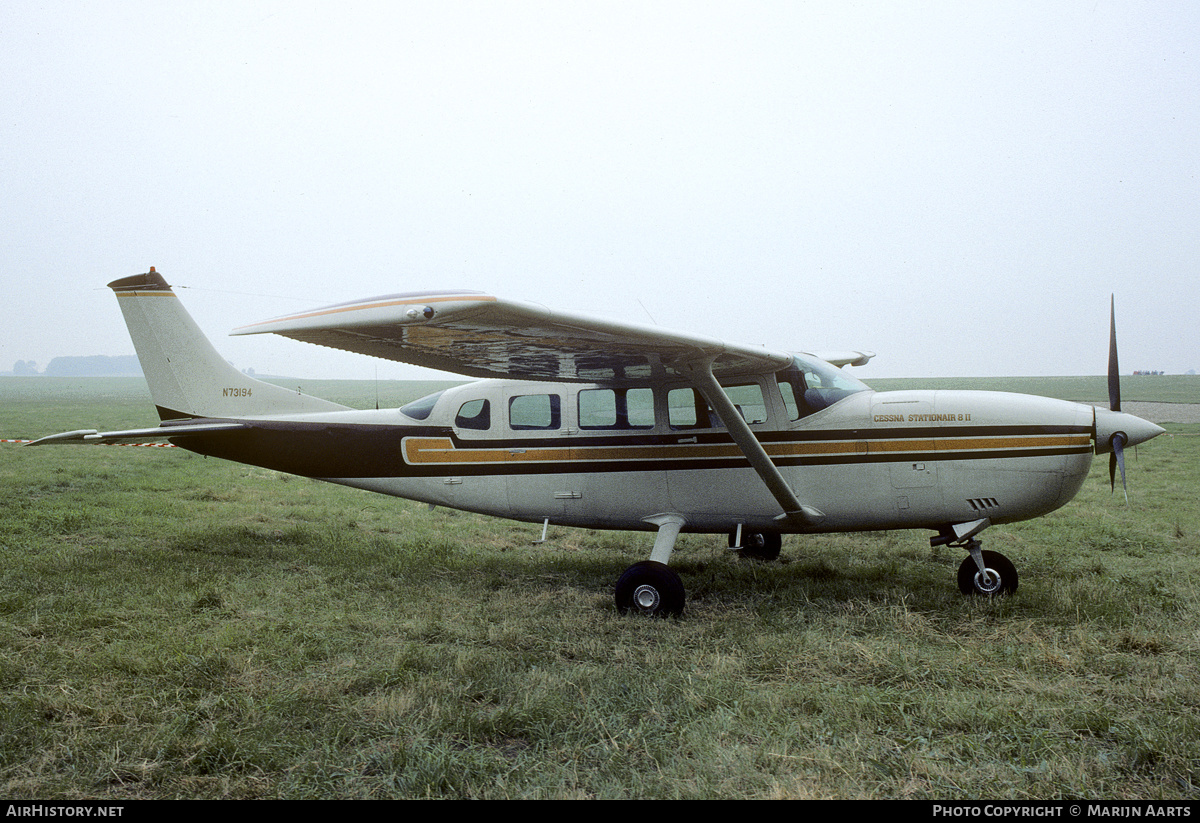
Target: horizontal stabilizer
{"x":93,"y":437}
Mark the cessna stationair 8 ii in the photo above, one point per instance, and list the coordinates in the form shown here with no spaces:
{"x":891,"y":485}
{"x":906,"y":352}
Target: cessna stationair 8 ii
{"x":587,"y":422}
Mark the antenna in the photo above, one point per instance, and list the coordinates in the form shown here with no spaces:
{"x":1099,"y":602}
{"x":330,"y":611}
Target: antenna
{"x":646,"y":310}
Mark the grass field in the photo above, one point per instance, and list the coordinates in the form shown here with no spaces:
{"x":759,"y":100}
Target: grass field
{"x":179,"y":627}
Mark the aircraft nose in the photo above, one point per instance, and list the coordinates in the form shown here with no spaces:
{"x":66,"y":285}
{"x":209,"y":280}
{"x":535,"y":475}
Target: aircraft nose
{"x":1135,"y":429}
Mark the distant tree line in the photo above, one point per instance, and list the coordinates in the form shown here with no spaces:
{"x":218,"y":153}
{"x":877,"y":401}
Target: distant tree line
{"x":96,"y":365}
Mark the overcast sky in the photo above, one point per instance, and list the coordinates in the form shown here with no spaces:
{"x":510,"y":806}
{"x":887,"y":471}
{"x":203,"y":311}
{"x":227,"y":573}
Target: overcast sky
{"x":957,"y":186}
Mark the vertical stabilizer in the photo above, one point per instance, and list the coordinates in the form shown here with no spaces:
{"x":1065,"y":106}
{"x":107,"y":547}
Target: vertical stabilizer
{"x":186,"y":375}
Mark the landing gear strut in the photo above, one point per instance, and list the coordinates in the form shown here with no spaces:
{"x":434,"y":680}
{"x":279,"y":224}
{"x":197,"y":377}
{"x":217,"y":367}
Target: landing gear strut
{"x":987,"y":574}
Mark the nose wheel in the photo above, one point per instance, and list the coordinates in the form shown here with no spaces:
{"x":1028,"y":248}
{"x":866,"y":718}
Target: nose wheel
{"x":998,"y":575}
{"x":986,"y":574}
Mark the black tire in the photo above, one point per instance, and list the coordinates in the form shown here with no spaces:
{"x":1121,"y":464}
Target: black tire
{"x":758,"y":545}
{"x":970,"y":581}
{"x":650,"y":588}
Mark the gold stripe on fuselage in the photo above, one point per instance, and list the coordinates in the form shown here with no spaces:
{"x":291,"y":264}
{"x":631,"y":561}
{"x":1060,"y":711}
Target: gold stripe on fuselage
{"x":969,"y":444}
{"x":441,"y":451}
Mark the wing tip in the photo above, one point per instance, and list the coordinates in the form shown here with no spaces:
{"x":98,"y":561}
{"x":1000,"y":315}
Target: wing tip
{"x":415,"y":299}
{"x":149,"y":281}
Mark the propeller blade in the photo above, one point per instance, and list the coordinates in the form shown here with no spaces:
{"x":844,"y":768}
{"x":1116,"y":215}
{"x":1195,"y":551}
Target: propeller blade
{"x":1117,"y":460}
{"x":1114,"y":371}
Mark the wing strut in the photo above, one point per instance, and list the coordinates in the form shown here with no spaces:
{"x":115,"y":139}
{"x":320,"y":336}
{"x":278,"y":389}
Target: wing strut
{"x":700,"y":374}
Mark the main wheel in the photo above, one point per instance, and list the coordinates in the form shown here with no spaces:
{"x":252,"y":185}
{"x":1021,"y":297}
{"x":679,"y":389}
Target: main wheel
{"x":650,"y":588}
{"x":758,"y":545}
{"x":1001,"y":577}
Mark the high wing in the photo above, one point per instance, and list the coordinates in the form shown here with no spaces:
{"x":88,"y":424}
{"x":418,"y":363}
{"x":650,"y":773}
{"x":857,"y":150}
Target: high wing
{"x":844,"y":358}
{"x":479,"y":335}
{"x":483,"y":336}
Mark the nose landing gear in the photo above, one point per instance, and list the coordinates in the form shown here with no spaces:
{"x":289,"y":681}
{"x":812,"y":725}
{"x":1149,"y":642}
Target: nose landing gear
{"x":987,"y":574}
{"x":991,"y":575}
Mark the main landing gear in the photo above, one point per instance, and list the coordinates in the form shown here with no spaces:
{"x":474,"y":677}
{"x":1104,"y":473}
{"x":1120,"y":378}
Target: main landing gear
{"x":987,"y":574}
{"x":650,"y":588}
{"x":653,"y":588}
{"x":756,"y":545}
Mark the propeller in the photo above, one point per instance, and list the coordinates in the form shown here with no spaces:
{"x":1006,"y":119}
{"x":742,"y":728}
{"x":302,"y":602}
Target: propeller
{"x":1114,"y":372}
{"x":1117,"y":460}
{"x":1114,"y":429}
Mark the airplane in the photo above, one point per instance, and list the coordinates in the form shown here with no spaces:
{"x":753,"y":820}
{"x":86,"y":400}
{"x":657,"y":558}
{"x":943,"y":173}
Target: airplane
{"x":586,"y":422}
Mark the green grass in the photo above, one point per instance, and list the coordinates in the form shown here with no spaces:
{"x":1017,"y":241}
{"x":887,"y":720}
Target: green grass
{"x":174,"y":626}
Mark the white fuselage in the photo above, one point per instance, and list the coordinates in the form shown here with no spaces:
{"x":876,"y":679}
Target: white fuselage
{"x":570,"y":453}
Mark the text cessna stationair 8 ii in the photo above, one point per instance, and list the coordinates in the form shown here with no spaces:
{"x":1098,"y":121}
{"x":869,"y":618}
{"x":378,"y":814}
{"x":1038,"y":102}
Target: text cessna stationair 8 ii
{"x":618,"y":426}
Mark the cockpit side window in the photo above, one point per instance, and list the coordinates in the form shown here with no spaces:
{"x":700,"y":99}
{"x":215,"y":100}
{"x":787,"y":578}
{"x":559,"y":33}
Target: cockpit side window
{"x":788,"y":390}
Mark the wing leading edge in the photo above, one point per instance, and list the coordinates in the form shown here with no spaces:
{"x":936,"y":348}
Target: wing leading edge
{"x":479,"y":335}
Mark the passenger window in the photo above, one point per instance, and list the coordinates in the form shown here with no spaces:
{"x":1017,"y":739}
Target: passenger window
{"x":749,"y":402}
{"x":686,"y":409}
{"x":597,"y":409}
{"x":476,"y":414}
{"x":534,"y":411}
{"x":616,"y":409}
{"x":639,"y":408}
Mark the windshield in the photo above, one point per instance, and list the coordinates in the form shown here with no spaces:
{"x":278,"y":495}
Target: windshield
{"x":420,"y":409}
{"x":815,"y":385}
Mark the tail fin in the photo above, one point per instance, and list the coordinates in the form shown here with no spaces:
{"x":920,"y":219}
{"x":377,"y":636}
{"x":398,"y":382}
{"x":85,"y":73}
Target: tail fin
{"x":186,"y":375}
